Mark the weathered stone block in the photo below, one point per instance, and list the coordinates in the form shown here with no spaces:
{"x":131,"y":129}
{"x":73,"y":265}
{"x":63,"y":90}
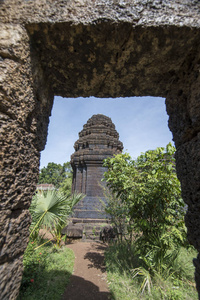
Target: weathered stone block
{"x":73,"y":230}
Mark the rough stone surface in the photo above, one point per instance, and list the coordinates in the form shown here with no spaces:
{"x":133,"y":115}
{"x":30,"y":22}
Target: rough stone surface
{"x":102,"y":48}
{"x":73,"y":230}
{"x":97,"y":141}
{"x":25,"y":106}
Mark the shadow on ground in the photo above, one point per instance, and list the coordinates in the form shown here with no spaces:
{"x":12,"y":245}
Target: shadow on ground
{"x":89,"y":280}
{"x":81,"y":289}
{"x":47,"y":289}
{"x":96,"y":258}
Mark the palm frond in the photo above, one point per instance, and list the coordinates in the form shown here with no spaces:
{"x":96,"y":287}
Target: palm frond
{"x":75,"y":198}
{"x":51,"y":207}
{"x":146,"y":279}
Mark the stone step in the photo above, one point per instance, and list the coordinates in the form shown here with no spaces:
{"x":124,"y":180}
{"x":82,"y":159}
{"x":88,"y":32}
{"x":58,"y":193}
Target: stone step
{"x":87,"y":240}
{"x":92,"y":206}
{"x":91,"y":235}
{"x":93,"y":227}
{"x":89,"y":214}
{"x":88,"y":206}
{"x":89,"y":221}
{"x":91,"y":238}
{"x":86,"y":231}
{"x":91,"y":232}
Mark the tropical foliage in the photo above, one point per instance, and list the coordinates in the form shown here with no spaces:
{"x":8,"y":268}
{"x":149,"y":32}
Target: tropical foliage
{"x":56,"y":174}
{"x":50,"y":210}
{"x":151,"y":192}
{"x":66,"y":185}
{"x":118,"y":212}
{"x":127,"y":279}
{"x":146,"y":200}
{"x":45,"y":260}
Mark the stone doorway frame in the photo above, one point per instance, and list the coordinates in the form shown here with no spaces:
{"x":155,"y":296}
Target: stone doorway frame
{"x":91,"y":48}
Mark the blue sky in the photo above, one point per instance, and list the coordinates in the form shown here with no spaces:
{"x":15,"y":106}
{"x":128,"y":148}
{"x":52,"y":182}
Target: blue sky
{"x":140,"y":121}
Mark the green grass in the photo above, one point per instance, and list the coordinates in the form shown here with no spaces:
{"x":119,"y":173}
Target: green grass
{"x":121,"y":262}
{"x":46,"y":272}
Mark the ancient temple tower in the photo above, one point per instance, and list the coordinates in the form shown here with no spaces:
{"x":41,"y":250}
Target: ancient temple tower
{"x":97,"y":141}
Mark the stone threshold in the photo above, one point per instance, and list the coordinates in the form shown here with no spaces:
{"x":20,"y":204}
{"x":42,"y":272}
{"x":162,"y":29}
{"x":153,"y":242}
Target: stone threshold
{"x":78,"y":220}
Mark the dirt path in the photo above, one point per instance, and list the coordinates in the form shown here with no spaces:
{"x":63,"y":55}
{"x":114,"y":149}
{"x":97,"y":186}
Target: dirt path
{"x":88,"y":281}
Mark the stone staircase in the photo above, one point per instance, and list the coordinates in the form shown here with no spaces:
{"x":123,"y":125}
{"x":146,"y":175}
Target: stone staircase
{"x":87,"y":230}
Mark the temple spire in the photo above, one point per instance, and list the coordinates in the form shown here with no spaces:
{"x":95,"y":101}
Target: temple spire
{"x":97,"y":141}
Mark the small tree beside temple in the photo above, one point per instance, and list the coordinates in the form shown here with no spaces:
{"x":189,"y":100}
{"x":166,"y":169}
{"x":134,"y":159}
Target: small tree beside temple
{"x":152,"y":194}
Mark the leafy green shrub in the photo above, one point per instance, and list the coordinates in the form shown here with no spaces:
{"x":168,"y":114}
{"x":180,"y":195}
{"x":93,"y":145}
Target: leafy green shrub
{"x":150,"y":195}
{"x":34,"y":262}
{"x":118,"y":213}
{"x":146,"y":198}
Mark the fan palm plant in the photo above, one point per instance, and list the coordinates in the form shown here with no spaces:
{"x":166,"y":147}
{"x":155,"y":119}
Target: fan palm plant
{"x":50,"y":210}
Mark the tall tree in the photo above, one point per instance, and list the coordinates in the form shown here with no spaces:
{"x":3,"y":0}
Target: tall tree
{"x":55,"y":174}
